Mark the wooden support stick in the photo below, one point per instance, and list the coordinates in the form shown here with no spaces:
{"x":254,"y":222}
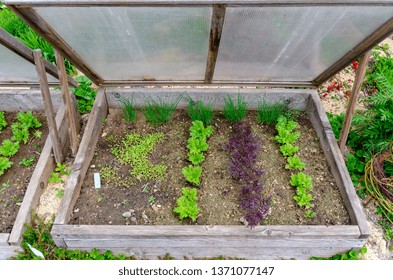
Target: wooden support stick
{"x":72,"y":119}
{"x":352,"y":101}
{"x":50,"y":115}
{"x":217,"y":24}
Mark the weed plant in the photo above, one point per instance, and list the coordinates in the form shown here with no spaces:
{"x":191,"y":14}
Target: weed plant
{"x":39,"y":237}
{"x":128,"y":109}
{"x":198,"y":111}
{"x":269,"y":113}
{"x":158,"y":112}
{"x":235,"y":112}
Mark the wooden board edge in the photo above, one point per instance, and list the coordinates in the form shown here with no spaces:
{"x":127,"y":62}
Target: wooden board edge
{"x":337,"y":165}
{"x":39,"y":179}
{"x":83,"y":157}
{"x":297,"y":99}
{"x":26,"y":100}
{"x":112,"y":231}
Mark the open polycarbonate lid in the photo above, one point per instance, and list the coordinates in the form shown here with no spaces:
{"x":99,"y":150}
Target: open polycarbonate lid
{"x":272,"y":42}
{"x":15,"y":70}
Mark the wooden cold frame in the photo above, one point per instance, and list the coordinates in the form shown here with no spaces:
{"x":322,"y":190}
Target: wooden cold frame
{"x":11,"y":101}
{"x":25,"y":9}
{"x":262,"y":242}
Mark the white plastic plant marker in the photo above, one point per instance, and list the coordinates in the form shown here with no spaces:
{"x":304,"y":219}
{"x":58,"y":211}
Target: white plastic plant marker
{"x":36,"y":252}
{"x":97,"y":181}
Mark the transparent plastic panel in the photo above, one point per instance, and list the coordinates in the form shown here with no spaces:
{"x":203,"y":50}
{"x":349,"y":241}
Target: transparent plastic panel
{"x":136,"y":43}
{"x":291,"y":43}
{"x":16,"y":69}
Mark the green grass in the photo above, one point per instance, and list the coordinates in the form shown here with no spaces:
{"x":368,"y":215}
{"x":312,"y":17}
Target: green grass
{"x":128,"y":109}
{"x":158,"y":112}
{"x":198,"y":111}
{"x":269,"y":113}
{"x":235,"y":111}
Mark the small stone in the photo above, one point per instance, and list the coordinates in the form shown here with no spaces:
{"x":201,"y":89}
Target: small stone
{"x":133,"y":219}
{"x":126,"y":215}
{"x":159,"y":205}
{"x":104,"y":134}
{"x":243,"y":221}
{"x":110,"y":222}
{"x":155,"y":208}
{"x":76,"y":210}
{"x":92,"y":166}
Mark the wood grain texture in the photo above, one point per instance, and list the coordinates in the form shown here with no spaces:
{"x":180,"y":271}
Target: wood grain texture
{"x":4,"y":238}
{"x":39,"y":179}
{"x":337,"y":165}
{"x":296,"y":98}
{"x":83,"y":157}
{"x":46,"y":31}
{"x":123,"y":231}
{"x":12,"y":100}
{"x":361,"y":71}
{"x":35,"y":3}
{"x":208,"y":252}
{"x":72,"y":118}
{"x":25,"y":52}
{"x":279,"y":84}
{"x":49,"y":111}
{"x":216,"y":26}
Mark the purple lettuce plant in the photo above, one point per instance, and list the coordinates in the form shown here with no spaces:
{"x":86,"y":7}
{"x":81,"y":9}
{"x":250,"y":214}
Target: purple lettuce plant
{"x":244,"y":148}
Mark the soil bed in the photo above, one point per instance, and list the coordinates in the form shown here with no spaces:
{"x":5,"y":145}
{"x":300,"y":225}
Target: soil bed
{"x":14,"y":182}
{"x":218,"y":194}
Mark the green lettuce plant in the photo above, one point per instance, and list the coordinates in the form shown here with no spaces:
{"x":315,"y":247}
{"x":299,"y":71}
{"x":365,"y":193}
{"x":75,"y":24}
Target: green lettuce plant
{"x":9,"y":148}
{"x":288,"y":150}
{"x":187,"y":204}
{"x":5,"y":163}
{"x":3,"y":122}
{"x":192,"y":174}
{"x":294,"y":163}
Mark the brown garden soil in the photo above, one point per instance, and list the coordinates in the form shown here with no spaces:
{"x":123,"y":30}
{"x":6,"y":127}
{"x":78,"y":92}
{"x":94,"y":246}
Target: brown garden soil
{"x":18,"y":176}
{"x":218,"y":194}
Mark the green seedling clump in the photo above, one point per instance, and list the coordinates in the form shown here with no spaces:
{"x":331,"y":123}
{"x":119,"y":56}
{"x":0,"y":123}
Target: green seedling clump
{"x":60,"y":170}
{"x":134,"y":149}
{"x":9,"y":148}
{"x":160,"y":112}
{"x":5,"y":163}
{"x":27,"y":162}
{"x":235,"y":112}
{"x":198,"y":111}
{"x":187,"y":204}
{"x":20,"y":129}
{"x":269,"y":113}
{"x":84,"y":94}
{"x":129,"y":110}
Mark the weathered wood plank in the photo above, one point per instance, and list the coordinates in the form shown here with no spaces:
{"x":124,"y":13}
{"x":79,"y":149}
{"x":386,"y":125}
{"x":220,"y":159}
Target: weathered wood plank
{"x":280,"y":84}
{"x":250,"y":253}
{"x":296,"y":98}
{"x":123,"y":231}
{"x":49,"y":111}
{"x":216,"y":26}
{"x":4,"y":239}
{"x":337,"y":165}
{"x":72,"y":117}
{"x":38,"y":3}
{"x":30,"y":16}
{"x":7,"y":252}
{"x":26,"y":100}
{"x":352,"y":101}
{"x":39,"y":179}
{"x":25,"y":52}
{"x":83,"y":157}
{"x":218,"y":242}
